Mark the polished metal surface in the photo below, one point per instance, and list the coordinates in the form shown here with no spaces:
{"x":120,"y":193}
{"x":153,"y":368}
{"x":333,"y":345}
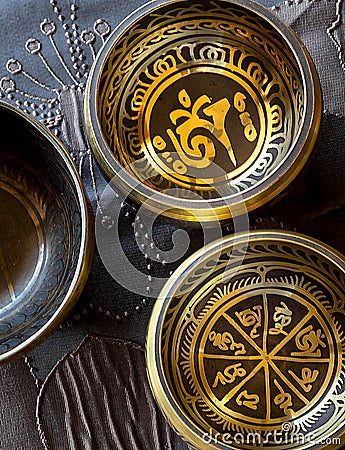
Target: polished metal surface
{"x":207,"y":105}
{"x":45,"y":233}
{"x":246,"y":344}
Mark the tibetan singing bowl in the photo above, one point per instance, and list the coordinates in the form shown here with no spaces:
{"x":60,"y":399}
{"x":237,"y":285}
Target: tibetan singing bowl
{"x":45,"y":233}
{"x":246,"y":345}
{"x":202,"y":108}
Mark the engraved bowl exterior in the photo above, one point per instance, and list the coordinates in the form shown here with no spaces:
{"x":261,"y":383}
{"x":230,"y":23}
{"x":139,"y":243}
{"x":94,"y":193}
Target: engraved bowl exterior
{"x":246,"y":344}
{"x":46,"y":237}
{"x":199,"y":107}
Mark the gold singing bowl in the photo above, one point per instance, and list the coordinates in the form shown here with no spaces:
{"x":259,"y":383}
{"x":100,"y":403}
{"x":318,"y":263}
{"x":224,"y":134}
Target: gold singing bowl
{"x":246,"y":344}
{"x":200,"y":107}
{"x":46,"y":237}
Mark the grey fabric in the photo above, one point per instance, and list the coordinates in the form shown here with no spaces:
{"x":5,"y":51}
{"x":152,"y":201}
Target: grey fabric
{"x":18,"y":394}
{"x":90,"y":392}
{"x":46,"y":85}
{"x":324,"y":39}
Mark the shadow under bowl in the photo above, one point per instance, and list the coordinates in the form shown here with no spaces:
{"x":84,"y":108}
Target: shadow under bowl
{"x":46,"y":240}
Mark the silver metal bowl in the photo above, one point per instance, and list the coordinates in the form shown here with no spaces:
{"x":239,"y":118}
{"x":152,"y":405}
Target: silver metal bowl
{"x":46,"y":240}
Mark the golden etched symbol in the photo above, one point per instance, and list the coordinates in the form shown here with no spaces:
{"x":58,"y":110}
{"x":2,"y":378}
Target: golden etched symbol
{"x":264,"y":359}
{"x":260,"y":373}
{"x":198,"y":125}
{"x":221,"y":340}
{"x":250,"y":132}
{"x":249,"y":400}
{"x":308,"y":342}
{"x":200,"y":104}
{"x":282,"y":318}
{"x":283,"y":400}
{"x":307,"y":378}
{"x":251,"y":318}
{"x":229,"y":375}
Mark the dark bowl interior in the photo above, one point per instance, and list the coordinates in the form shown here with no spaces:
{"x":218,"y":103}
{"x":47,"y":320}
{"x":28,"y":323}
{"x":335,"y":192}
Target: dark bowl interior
{"x":44,"y":232}
{"x":212,"y":100}
{"x":248,"y":338}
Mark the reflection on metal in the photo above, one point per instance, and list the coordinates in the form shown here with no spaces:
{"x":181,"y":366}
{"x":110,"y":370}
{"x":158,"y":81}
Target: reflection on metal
{"x":263,"y":344}
{"x":186,"y":84}
{"x":45,"y":234}
{"x":6,"y":274}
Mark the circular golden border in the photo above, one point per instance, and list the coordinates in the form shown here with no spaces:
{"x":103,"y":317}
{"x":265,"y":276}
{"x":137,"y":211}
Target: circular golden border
{"x":224,"y":412}
{"x":149,"y":150}
{"x":157,"y":380}
{"x":266,"y":191}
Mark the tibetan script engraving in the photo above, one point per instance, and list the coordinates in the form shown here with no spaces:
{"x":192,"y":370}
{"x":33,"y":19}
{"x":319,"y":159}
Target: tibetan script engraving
{"x":251,"y":318}
{"x":307,"y":378}
{"x":282,"y":318}
{"x":221,"y":340}
{"x":249,"y":400}
{"x":308,"y":341}
{"x":229,"y":375}
{"x":283,"y":400}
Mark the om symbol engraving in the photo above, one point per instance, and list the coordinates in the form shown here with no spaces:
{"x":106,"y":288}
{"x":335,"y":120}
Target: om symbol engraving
{"x":199,"y":126}
{"x":19,"y":245}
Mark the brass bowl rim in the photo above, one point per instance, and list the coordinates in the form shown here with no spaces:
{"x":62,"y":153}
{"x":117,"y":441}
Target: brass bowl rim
{"x":258,"y":195}
{"x":157,"y":379}
{"x":86,"y":246}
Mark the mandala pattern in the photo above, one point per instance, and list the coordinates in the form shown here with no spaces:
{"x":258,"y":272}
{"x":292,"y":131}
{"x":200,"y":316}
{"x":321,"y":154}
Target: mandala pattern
{"x":260,"y":349}
{"x":272,"y":366}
